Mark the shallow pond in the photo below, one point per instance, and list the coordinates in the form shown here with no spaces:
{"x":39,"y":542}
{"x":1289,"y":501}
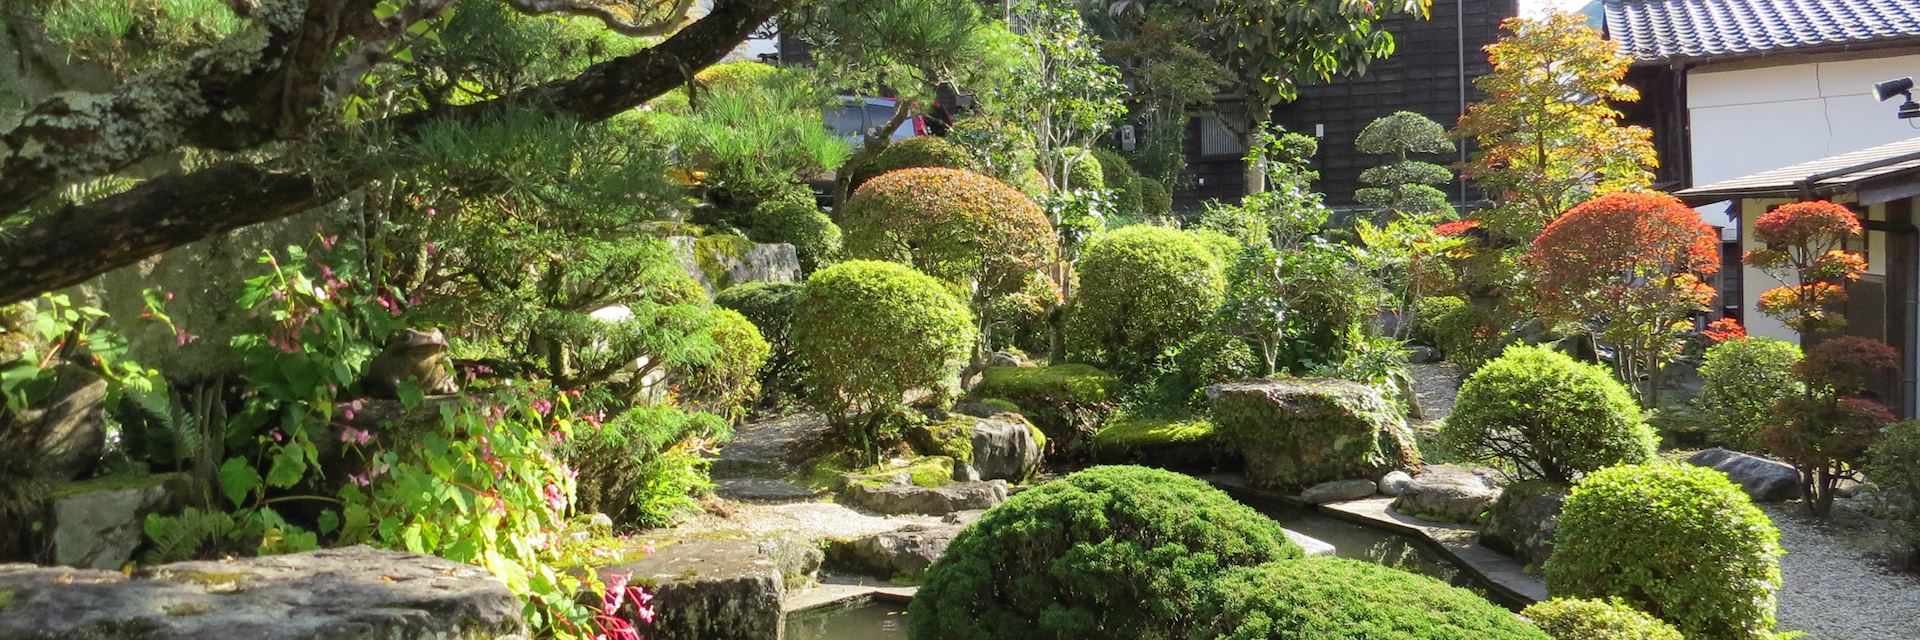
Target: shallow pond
{"x":884,"y":621}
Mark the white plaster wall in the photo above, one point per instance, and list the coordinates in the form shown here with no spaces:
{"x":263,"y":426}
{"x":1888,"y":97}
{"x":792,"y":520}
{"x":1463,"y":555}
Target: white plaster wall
{"x":1746,"y":120}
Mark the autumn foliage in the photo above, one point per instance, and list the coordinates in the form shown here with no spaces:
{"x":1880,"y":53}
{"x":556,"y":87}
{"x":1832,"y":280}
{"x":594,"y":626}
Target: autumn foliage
{"x":1632,"y":266}
{"x":1806,"y":248}
{"x":1825,"y":433}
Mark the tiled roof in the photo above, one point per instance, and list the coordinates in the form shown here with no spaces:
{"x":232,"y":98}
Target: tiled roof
{"x":1658,"y":30}
{"x":1837,"y":174}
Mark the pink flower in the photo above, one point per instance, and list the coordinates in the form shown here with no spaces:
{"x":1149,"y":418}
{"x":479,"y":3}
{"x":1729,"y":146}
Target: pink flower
{"x":169,"y":296}
{"x":432,"y":249}
{"x":359,"y":479}
{"x":543,"y":405}
{"x":556,"y":498}
{"x":355,"y":436}
{"x":182,"y":338}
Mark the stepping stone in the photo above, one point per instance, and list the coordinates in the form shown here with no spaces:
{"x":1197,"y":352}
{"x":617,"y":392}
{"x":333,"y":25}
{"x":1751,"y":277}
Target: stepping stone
{"x":763,"y":490}
{"x":903,"y":499}
{"x":771,"y":448}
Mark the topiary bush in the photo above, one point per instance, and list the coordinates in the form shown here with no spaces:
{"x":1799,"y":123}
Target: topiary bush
{"x":1296,"y":432}
{"x":867,"y":332}
{"x":1120,"y":177}
{"x":1142,"y":289}
{"x":914,"y":152}
{"x":1745,"y":378}
{"x":1155,"y":200}
{"x":1428,"y":326}
{"x":729,"y":384}
{"x":1340,"y":599}
{"x":1682,"y":543}
{"x":959,"y":226}
{"x":1100,"y":550}
{"x":1541,"y":414}
{"x":1181,"y":374}
{"x":1065,"y":401}
{"x":795,"y":219}
{"x":1577,"y":619}
{"x":1086,"y":172}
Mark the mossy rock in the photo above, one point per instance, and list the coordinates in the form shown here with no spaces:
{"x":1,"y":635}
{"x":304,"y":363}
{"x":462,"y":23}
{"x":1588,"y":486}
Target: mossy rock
{"x":1065,"y":401}
{"x":1173,"y":442}
{"x":1297,"y":432}
{"x":928,"y":471}
{"x":952,"y":438}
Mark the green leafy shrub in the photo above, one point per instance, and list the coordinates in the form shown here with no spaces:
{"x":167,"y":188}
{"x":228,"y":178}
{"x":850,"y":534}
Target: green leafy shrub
{"x":1745,"y":378}
{"x":1122,"y":179}
{"x":1296,"y":432}
{"x":1428,"y":328}
{"x":867,"y":332}
{"x":1155,"y":200}
{"x":1680,"y":542}
{"x":1577,"y":619}
{"x":769,"y":306}
{"x":795,"y":219}
{"x":1065,"y":401}
{"x":1465,"y":333}
{"x":955,"y":225}
{"x":1100,"y":550}
{"x":728,"y":384}
{"x":1086,"y":172}
{"x":1142,"y":289}
{"x":912,"y":153}
{"x":1176,"y":442}
{"x":1340,"y":599}
{"x":1895,"y":466}
{"x":1182,"y":373}
{"x":637,"y":468}
{"x":1544,"y":415}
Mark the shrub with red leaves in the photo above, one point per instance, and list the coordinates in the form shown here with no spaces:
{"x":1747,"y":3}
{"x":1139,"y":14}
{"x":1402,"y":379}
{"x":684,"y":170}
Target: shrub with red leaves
{"x":1826,"y":432}
{"x":1632,"y":266}
{"x":1806,"y":247}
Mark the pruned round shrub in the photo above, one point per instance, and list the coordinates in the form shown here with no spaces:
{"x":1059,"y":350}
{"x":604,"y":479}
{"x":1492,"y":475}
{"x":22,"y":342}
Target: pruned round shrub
{"x":1155,"y":200}
{"x":795,"y":219}
{"x":1183,"y":372}
{"x":1142,"y":289}
{"x":728,"y":384}
{"x":1085,"y":172}
{"x":1430,"y":318}
{"x":1340,"y":599}
{"x":1546,"y":416}
{"x":915,"y":152}
{"x":1099,"y":551}
{"x":1578,"y":619}
{"x":1745,"y":378}
{"x":1296,"y":432}
{"x":955,"y":225}
{"x":868,"y":331}
{"x":1122,"y":179}
{"x":1065,"y":401}
{"x":1680,"y":542}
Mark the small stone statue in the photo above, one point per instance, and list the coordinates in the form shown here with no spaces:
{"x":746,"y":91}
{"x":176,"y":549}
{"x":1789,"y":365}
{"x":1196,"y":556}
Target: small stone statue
{"x":412,"y":354}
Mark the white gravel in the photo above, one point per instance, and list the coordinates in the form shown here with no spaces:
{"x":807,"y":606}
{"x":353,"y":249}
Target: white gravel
{"x":1833,"y":591}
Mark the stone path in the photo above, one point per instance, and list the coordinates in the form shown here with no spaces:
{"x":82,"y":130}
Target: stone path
{"x":1833,"y":591}
{"x":1435,"y":386}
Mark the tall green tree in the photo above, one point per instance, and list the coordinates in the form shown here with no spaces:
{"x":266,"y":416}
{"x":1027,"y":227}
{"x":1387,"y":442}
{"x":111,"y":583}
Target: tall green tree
{"x":1061,"y":90}
{"x":1271,"y":47}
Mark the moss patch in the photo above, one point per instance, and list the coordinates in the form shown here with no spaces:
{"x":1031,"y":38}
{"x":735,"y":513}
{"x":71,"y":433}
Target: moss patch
{"x":6,"y":598}
{"x":1002,"y":404}
{"x":1066,"y":401}
{"x":1173,"y":441}
{"x":116,"y":482}
{"x":952,"y":438}
{"x":717,"y":253}
{"x":929,"y":471}
{"x":212,"y":581}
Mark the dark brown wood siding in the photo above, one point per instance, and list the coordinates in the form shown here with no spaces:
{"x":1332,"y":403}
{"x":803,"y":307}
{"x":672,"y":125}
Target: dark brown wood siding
{"x":1422,"y":76}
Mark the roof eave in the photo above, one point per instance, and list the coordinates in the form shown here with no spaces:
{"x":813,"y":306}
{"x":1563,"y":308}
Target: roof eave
{"x":1842,"y":47}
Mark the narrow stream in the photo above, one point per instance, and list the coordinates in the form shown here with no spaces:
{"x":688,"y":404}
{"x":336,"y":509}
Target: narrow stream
{"x":882,"y":621}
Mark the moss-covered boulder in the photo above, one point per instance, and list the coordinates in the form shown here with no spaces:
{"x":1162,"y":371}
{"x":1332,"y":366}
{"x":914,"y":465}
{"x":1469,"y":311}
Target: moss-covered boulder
{"x":1066,"y":401}
{"x":1175,"y":442}
{"x":1295,"y":432}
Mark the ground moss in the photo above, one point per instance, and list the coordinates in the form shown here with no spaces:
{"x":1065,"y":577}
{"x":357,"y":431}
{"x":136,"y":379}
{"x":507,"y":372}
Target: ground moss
{"x":952,"y":438}
{"x":929,"y":471}
{"x":1002,"y":404}
{"x":1066,"y":401}
{"x":116,"y":482}
{"x":713,"y":252}
{"x":1178,"y":441}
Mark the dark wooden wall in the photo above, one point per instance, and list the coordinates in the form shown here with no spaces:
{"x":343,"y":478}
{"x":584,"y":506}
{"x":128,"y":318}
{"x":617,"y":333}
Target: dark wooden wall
{"x":1422,"y":76}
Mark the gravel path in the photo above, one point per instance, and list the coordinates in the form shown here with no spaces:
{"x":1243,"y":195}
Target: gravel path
{"x":1833,"y":592}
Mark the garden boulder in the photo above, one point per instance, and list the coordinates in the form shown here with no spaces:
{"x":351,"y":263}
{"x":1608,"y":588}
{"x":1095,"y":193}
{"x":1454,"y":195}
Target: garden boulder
{"x":1522,"y":521}
{"x":1395,"y":483}
{"x":1297,"y":432}
{"x":97,"y":524}
{"x":901,"y":555}
{"x":1005,"y":447}
{"x":1762,"y":479}
{"x":895,"y":499}
{"x":1066,"y":401}
{"x":66,"y":432}
{"x":721,"y":589}
{"x":352,"y":593}
{"x":1338,"y":491}
{"x":1446,"y":493}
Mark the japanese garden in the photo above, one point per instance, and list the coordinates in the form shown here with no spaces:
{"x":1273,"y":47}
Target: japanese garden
{"x":914,"y":319}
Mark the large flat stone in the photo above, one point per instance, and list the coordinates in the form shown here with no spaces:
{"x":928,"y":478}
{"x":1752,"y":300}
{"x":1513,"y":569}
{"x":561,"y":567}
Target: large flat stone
{"x":97,"y":524}
{"x":1446,"y":493}
{"x":1765,"y":480}
{"x":895,"y":499}
{"x":771,"y":448}
{"x":353,"y":593}
{"x":727,"y":589}
{"x":902,"y":554}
